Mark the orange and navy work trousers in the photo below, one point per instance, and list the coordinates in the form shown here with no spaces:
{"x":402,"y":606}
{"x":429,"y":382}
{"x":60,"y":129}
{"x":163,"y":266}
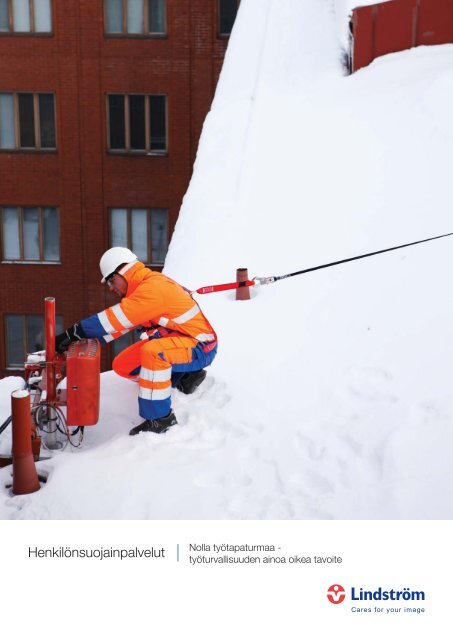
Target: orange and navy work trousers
{"x":159,"y":364}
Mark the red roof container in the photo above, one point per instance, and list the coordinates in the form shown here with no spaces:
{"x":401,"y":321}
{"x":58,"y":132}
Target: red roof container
{"x":396,"y":25}
{"x":83,"y":366}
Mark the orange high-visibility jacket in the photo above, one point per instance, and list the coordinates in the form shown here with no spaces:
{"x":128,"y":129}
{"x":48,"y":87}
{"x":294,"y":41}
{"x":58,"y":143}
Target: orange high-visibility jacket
{"x":151,"y":299}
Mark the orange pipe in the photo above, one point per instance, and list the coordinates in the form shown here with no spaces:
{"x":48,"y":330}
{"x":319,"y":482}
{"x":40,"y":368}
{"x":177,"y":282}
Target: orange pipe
{"x":242,"y":293}
{"x":49,"y":319}
{"x":25,"y":477}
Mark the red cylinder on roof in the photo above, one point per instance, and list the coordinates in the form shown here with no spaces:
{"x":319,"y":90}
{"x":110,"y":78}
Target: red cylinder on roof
{"x":25,"y":477}
{"x":242,"y":293}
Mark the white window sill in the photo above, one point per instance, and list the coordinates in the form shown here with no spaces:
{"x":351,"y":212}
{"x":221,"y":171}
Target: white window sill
{"x":32,"y":262}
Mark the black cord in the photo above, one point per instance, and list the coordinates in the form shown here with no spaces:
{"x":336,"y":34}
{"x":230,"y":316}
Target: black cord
{"x":5,"y":424}
{"x":365,"y":255}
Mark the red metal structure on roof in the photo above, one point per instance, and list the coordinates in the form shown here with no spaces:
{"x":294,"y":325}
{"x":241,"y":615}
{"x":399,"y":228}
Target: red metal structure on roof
{"x":396,"y":25}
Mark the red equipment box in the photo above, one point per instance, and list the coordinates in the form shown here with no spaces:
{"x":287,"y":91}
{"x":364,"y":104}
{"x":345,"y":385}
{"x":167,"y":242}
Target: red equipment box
{"x":83,"y":373}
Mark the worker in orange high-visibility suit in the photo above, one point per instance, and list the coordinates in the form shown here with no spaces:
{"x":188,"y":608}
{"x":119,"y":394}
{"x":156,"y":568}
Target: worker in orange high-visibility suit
{"x":179,"y":342}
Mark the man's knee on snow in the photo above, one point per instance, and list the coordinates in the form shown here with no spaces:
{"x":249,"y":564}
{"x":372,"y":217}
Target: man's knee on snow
{"x":119,"y":366}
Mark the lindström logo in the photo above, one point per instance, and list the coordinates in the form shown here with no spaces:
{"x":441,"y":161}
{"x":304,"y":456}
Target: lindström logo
{"x":336,"y":594}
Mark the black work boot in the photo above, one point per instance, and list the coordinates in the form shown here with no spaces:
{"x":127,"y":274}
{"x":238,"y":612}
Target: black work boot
{"x":156,"y":425}
{"x":191,"y":381}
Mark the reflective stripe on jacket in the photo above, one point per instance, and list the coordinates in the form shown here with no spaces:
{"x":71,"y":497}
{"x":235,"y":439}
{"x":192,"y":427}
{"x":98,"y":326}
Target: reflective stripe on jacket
{"x":151,"y":299}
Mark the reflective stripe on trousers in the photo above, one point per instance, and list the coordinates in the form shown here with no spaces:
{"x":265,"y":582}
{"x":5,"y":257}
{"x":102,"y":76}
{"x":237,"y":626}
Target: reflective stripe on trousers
{"x":153,"y":362}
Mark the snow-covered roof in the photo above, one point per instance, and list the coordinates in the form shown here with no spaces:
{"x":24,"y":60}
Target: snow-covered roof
{"x":331,"y":393}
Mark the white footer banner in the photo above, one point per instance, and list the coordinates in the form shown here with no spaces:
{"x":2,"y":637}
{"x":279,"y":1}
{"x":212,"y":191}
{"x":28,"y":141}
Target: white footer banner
{"x":226,"y":579}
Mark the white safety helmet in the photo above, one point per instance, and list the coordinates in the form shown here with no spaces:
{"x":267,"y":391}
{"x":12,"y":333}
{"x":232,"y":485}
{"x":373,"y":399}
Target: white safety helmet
{"x":112,"y":259}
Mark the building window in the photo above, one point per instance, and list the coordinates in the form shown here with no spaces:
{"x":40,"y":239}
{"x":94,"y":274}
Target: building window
{"x":30,"y":234}
{"x":25,"y":334}
{"x":227,"y":15}
{"x":135,"y":17}
{"x":27,"y":121}
{"x":25,"y":16}
{"x":143,"y":231}
{"x":137,"y":123}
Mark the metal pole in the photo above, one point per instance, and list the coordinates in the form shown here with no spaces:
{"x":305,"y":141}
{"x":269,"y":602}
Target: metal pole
{"x":49,"y":319}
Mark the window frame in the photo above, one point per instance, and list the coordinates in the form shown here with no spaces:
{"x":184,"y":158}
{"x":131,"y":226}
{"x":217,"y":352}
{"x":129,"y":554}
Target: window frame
{"x":221,"y":34}
{"x":22,"y":259}
{"x":149,"y":211}
{"x":147,"y":151}
{"x":32,"y":32}
{"x":20,"y":366}
{"x":146,"y":34}
{"x":36,"y":123}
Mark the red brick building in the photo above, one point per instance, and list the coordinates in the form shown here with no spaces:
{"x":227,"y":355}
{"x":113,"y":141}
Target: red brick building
{"x":101,"y":107}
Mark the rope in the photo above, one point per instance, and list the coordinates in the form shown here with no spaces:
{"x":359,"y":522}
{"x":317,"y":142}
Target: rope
{"x":224,"y":287}
{"x":268,"y":280}
{"x":365,"y":255}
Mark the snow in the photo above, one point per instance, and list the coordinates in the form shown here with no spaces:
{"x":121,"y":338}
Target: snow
{"x":330,"y":397}
{"x":345,"y":7}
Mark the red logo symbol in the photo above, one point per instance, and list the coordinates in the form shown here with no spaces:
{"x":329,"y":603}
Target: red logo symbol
{"x":336,"y":594}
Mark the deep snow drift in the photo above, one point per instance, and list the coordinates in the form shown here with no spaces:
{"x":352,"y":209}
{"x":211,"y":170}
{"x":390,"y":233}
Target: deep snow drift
{"x":331,"y":393}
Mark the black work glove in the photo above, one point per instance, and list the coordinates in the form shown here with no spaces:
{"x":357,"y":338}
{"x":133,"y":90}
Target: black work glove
{"x":63,"y":340}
